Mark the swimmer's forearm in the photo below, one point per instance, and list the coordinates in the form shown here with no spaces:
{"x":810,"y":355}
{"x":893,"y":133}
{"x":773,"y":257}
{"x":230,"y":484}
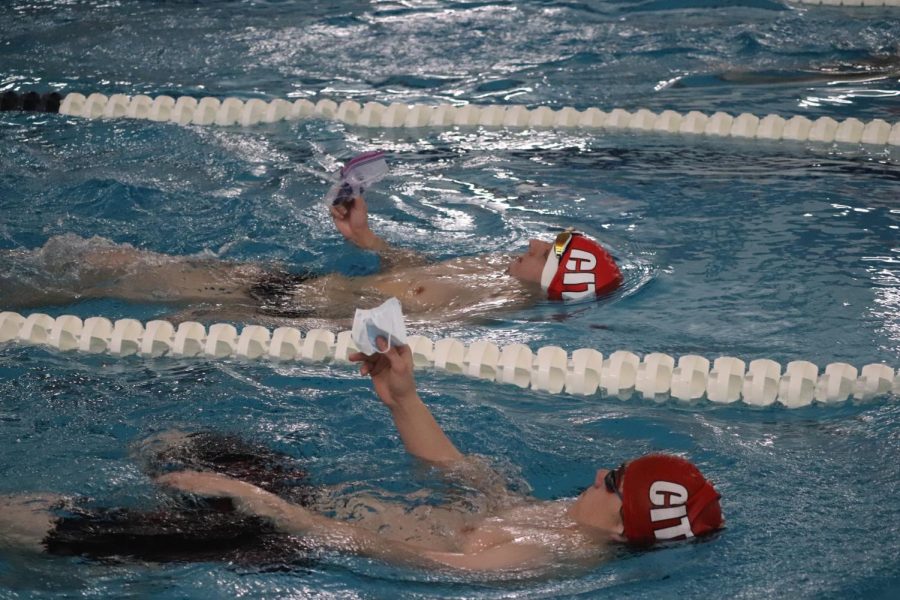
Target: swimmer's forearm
{"x":392,"y":257}
{"x":368,"y":240}
{"x":420,"y":432}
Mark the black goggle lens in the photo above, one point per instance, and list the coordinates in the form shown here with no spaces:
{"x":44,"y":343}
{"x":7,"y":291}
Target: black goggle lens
{"x":613,"y":481}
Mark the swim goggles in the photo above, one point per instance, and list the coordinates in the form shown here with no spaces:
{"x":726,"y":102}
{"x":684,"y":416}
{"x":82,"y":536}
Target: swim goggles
{"x":563,"y":240}
{"x":613,"y":481}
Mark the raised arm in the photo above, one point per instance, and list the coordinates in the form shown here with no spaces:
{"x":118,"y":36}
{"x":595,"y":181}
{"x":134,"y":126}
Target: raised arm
{"x":392,"y":377}
{"x":352,"y":220}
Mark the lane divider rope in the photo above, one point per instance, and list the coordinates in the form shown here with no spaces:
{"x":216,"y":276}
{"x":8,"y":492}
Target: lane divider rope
{"x":186,"y":110}
{"x":623,"y":374}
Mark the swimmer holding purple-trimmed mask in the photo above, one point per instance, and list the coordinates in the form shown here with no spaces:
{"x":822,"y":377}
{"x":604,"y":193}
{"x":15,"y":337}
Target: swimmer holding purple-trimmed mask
{"x":68,"y":268}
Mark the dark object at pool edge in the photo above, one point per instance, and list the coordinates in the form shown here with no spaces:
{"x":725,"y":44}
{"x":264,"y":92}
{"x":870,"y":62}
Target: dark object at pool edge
{"x":31,"y":102}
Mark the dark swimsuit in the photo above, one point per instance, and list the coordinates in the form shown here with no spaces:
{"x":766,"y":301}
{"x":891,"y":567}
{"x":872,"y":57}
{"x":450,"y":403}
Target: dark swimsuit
{"x":276,"y":294}
{"x":195,"y":529}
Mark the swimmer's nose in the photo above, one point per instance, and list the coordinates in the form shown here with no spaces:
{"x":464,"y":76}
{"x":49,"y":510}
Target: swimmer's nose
{"x":598,"y":480}
{"x":534,"y":246}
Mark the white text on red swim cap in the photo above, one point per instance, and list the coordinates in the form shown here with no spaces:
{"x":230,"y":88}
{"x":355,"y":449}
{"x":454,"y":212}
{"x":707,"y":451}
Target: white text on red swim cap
{"x":669,"y":501}
{"x":580,"y":271}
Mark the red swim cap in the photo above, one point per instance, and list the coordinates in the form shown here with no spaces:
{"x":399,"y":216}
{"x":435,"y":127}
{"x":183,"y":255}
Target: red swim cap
{"x":665,"y":498}
{"x":578,"y":268}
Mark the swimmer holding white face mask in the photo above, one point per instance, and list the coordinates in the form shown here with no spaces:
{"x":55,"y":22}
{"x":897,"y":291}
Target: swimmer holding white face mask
{"x":245,"y":497}
{"x":68,"y":268}
{"x":253,"y":498}
{"x":655,"y":498}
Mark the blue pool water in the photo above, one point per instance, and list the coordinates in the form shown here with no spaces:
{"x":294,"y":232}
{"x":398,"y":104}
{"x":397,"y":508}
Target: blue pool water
{"x":752,"y":249}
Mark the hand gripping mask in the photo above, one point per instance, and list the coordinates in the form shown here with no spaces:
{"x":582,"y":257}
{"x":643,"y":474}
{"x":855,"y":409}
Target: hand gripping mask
{"x":385,"y":321}
{"x":359,"y":174}
{"x":666,"y":498}
{"x":578,"y":268}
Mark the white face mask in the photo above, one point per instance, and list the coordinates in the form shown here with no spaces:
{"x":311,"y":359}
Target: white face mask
{"x":385,"y":321}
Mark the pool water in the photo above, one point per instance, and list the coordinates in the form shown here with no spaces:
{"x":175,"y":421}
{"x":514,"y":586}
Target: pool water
{"x":753,"y":249}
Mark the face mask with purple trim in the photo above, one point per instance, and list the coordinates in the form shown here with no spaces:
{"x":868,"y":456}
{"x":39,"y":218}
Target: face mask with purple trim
{"x":356,"y":176}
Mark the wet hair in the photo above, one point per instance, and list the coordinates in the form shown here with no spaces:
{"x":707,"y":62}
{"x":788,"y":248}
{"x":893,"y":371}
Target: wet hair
{"x":227,"y":454}
{"x":276,"y":294}
{"x":174,"y":535}
{"x":194,"y":529}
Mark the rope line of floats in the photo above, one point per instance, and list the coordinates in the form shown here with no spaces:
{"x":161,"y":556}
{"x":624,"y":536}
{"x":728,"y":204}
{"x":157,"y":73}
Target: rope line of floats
{"x":209,"y":111}
{"x":622,"y":374}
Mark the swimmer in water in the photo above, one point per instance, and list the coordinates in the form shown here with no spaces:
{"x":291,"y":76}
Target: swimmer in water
{"x":69,"y":268}
{"x":239,"y":502}
{"x":651,"y":499}
{"x":499,"y":532}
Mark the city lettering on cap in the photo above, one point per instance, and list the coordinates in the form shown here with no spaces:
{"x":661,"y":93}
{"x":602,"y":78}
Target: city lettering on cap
{"x":669,"y":501}
{"x":580,"y":271}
